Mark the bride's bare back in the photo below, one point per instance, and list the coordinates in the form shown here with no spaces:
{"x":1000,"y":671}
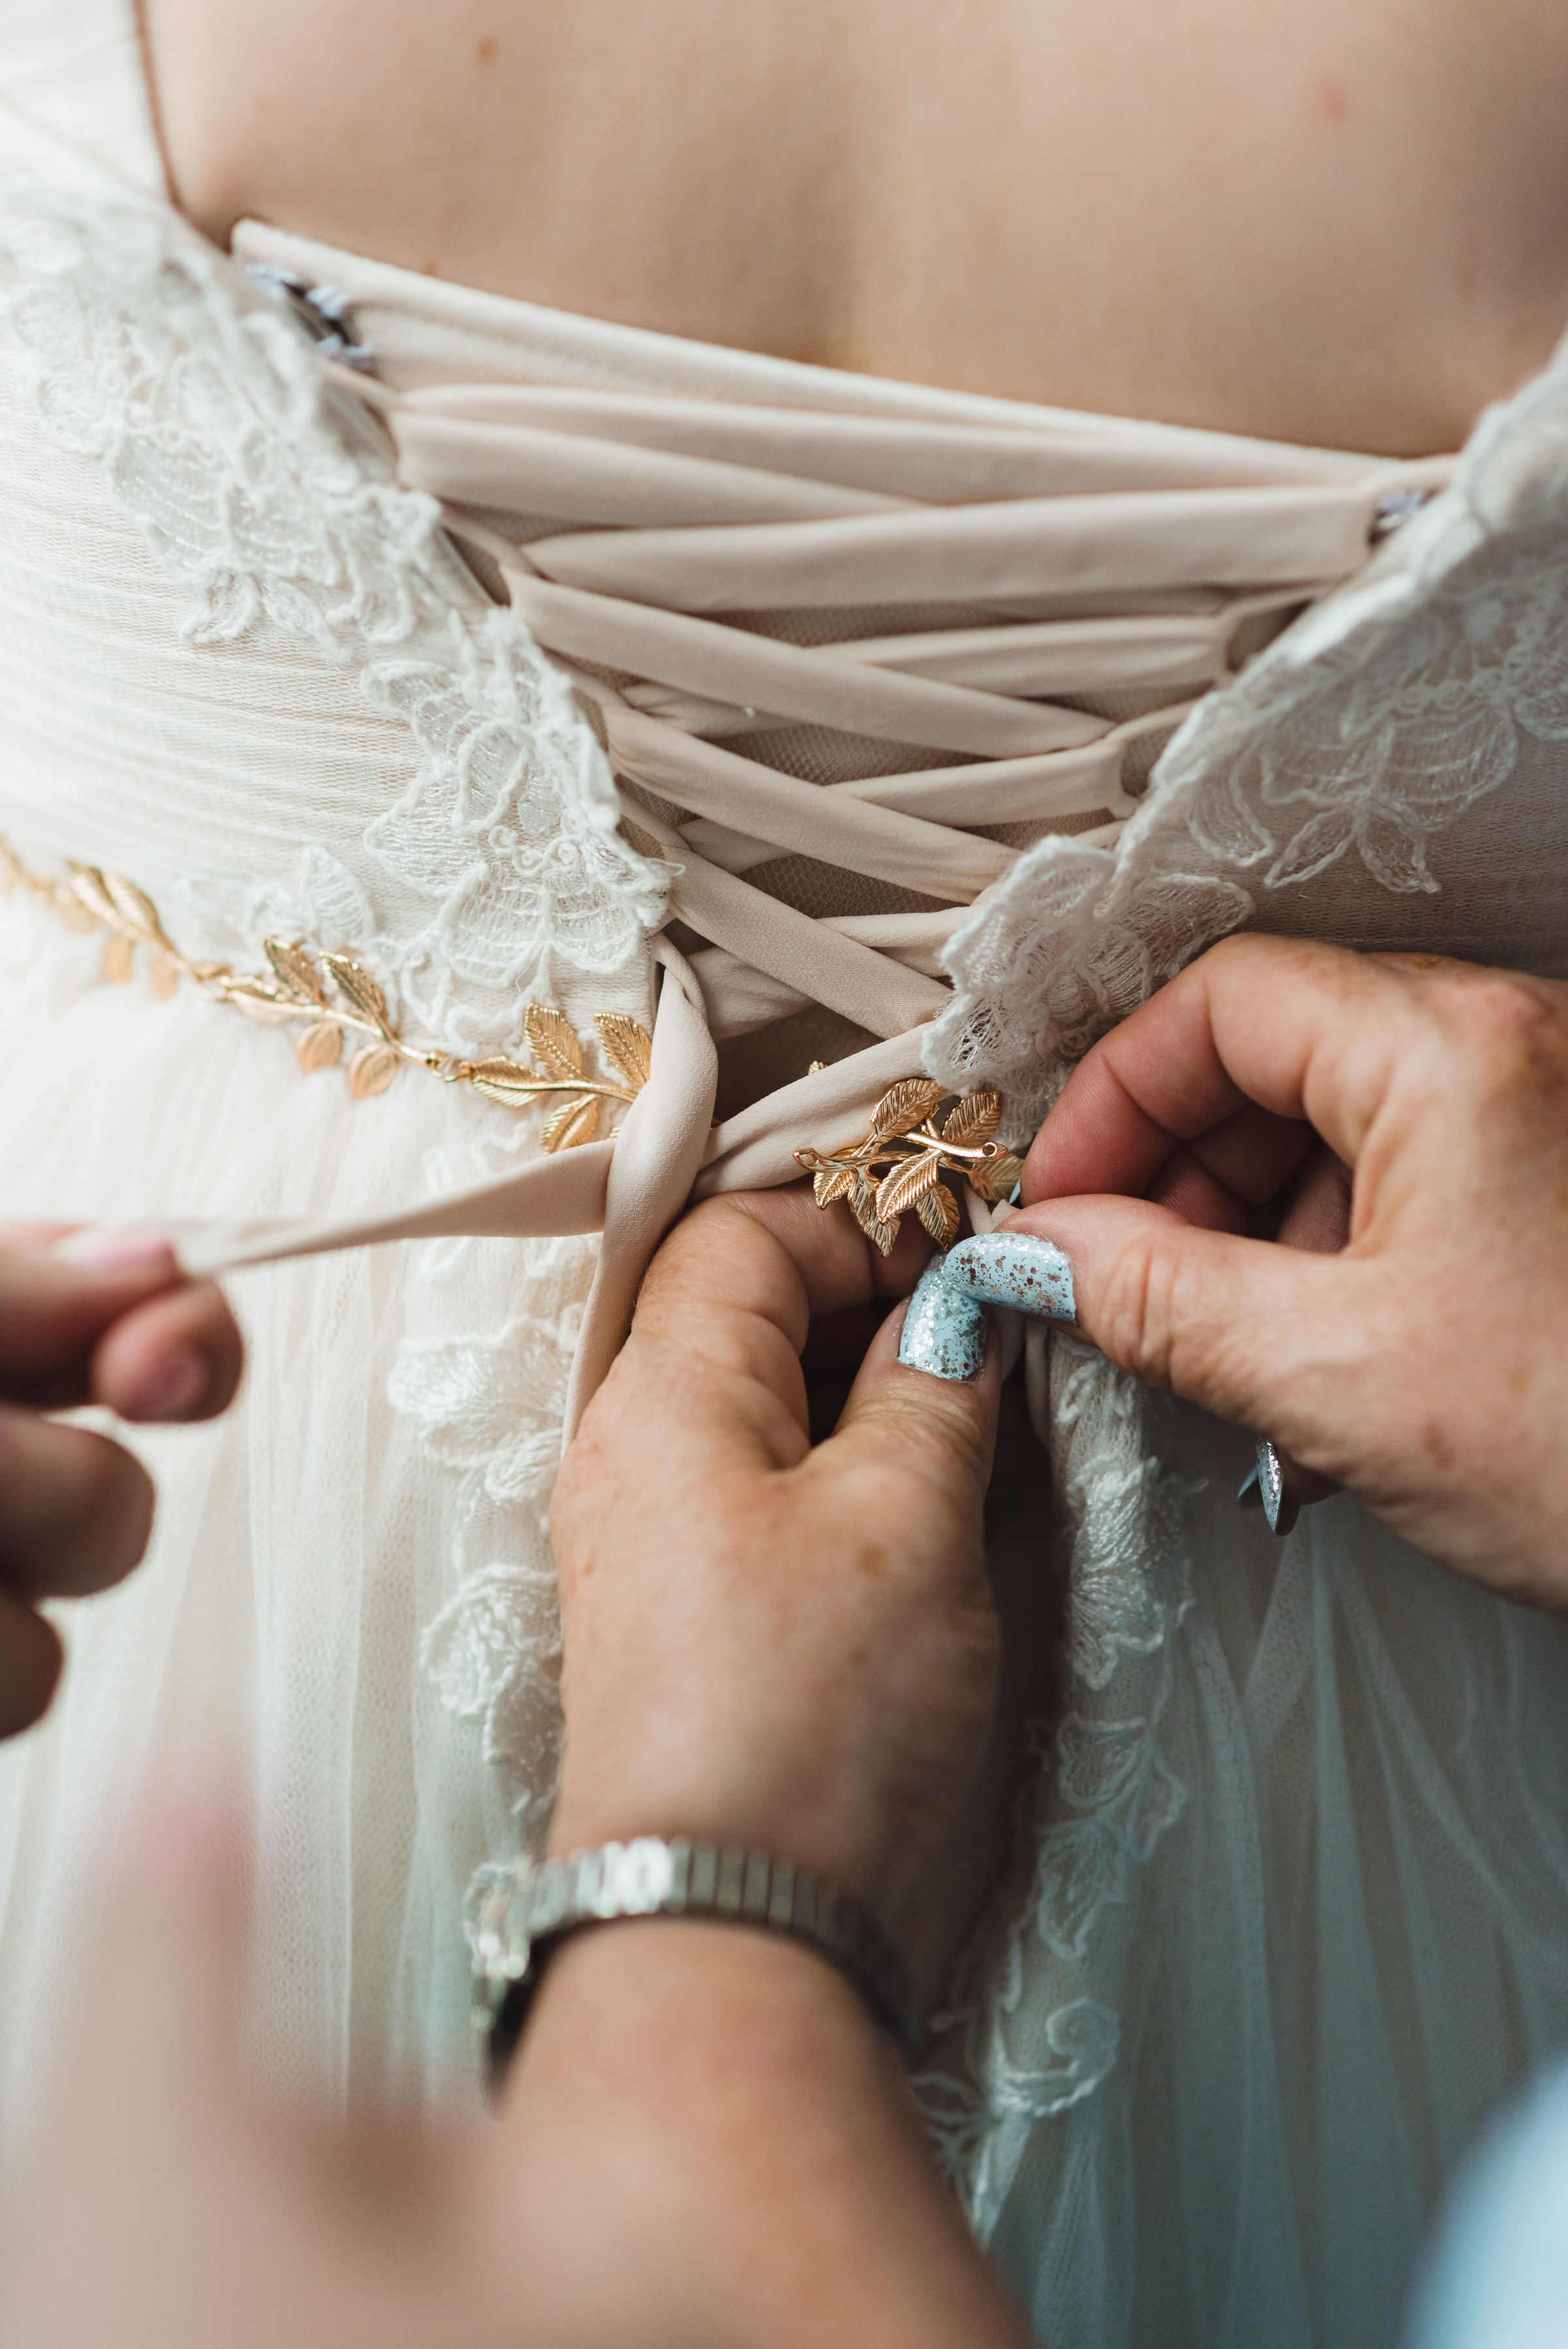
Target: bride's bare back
{"x":1344,"y":221}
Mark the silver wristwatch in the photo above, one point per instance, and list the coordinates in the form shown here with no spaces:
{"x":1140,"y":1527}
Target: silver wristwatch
{"x":518,"y":1907}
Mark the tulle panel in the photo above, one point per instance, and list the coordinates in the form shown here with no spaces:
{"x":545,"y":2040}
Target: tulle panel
{"x":348,"y":1604}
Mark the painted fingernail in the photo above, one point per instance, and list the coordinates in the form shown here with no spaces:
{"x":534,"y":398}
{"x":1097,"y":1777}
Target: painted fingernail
{"x":945,"y":1328}
{"x":176,"y":1387}
{"x":100,"y":1248}
{"x":1016,"y":1270}
{"x":1281,"y":1514}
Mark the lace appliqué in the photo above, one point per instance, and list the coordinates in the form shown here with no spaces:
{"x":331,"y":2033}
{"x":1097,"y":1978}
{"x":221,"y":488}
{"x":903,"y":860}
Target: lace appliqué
{"x":265,"y":491}
{"x":1365,"y":732}
{"x":1039,"y":2031}
{"x":488,"y":1410}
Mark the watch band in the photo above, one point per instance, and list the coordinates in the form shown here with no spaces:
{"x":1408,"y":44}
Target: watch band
{"x":530,"y":1902}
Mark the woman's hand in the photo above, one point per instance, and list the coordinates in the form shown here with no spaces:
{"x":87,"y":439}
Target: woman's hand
{"x":1424,"y":1364}
{"x":768,"y":1644}
{"x":705,"y":2139}
{"x":87,"y":1317}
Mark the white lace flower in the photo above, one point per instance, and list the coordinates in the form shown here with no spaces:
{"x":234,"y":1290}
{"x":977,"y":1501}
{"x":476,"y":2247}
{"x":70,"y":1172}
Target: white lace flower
{"x":491,"y":1406}
{"x":266,"y":492}
{"x":510,"y":822}
{"x":493,"y":1654}
{"x":1364,"y":732}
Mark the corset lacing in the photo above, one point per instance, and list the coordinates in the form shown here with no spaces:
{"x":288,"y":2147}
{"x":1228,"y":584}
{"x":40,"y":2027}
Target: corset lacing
{"x":903,"y":650}
{"x":847,"y":668}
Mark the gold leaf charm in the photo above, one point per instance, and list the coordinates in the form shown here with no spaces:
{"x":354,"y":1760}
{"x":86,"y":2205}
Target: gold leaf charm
{"x":555,"y":1039}
{"x":118,"y":961}
{"x":997,"y":1177}
{"x":577,"y":1121}
{"x":907,"y":1183}
{"x":910,"y":1102}
{"x":321,"y":1047}
{"x":293,"y":989}
{"x":257,"y":1001}
{"x":506,"y":1082}
{"x":973,"y":1121}
{"x":357,"y":987}
{"x":938,"y":1211}
{"x":295,"y":972}
{"x":628,"y":1045}
{"x":372,"y":1070}
{"x":91,"y":893}
{"x":863,"y":1208}
{"x":900,"y":1164}
{"x":135,"y":909}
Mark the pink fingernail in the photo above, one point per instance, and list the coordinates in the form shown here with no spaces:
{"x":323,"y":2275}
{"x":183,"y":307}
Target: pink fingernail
{"x":177,"y":1386}
{"x":101,"y":1249}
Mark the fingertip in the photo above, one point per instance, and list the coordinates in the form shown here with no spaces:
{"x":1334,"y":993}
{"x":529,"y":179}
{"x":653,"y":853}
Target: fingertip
{"x":180,"y":1358}
{"x":109,"y":1253}
{"x":32,"y":1657}
{"x":944,"y":1416}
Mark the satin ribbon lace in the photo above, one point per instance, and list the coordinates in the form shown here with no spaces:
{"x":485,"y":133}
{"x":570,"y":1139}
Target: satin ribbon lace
{"x":844,"y":668}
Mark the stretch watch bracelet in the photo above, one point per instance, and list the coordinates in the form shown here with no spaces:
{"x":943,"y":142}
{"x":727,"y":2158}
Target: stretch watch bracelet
{"x":532,"y":1902}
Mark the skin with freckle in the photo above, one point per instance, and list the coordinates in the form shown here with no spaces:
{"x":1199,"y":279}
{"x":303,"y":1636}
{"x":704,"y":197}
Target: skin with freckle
{"x":1347,"y":223}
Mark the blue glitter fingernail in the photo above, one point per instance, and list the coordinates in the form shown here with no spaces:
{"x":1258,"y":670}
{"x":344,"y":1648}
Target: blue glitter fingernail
{"x":945,"y":1328}
{"x":1281,"y":1514}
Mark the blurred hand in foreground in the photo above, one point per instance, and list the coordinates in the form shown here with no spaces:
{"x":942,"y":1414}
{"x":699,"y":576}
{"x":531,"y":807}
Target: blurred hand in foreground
{"x":704,"y":2140}
{"x":87,"y":1317}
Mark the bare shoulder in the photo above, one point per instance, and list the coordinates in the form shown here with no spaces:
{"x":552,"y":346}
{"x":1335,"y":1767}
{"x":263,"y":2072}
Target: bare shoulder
{"x":1347,"y":222}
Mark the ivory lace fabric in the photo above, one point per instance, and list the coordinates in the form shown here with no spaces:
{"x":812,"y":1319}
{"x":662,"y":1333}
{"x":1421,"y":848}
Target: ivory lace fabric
{"x":803,"y":718}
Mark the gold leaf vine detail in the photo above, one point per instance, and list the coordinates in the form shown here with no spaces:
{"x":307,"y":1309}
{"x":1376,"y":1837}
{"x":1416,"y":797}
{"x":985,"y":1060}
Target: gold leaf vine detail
{"x":333,"y":997}
{"x":900,"y":1162}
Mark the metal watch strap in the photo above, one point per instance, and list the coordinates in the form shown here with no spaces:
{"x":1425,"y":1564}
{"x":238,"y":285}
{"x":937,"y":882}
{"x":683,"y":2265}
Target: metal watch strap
{"x":534,"y":1901}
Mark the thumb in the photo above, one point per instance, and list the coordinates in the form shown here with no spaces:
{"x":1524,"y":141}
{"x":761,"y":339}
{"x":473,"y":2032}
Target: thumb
{"x":920,"y":1428}
{"x":1269,"y":1336}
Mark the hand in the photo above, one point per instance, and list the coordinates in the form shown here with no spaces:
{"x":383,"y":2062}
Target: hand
{"x":90,"y":1317}
{"x":167,"y":2204}
{"x":768,"y":1644}
{"x":705,"y":2139}
{"x":1424,"y":1364}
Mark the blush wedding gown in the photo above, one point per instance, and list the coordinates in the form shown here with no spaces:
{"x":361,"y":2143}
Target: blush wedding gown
{"x":833,"y":731}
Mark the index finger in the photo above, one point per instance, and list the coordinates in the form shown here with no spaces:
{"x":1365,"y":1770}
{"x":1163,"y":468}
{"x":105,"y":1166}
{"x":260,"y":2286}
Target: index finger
{"x":1244,"y":1026}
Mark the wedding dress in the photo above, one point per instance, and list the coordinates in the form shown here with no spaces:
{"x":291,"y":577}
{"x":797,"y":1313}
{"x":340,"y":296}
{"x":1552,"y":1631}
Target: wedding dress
{"x":535,"y":685}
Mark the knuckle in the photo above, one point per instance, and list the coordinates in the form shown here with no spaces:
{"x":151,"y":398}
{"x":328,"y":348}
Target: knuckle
{"x":1138,"y":1320}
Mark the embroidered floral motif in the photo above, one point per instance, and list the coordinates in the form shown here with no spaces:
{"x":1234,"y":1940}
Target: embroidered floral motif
{"x":1099,"y":1810}
{"x":269,"y":496}
{"x":1365,"y":731}
{"x":491,"y":1406}
{"x":489,"y":1409}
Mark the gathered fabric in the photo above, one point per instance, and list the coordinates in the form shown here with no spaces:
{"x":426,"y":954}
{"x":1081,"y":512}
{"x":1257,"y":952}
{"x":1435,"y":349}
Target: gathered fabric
{"x":834,"y":731}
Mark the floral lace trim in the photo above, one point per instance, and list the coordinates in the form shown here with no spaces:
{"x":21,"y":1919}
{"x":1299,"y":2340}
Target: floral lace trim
{"x":488,"y":1410}
{"x":1365,"y":732}
{"x":265,"y":493}
{"x":1037,"y":2031}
